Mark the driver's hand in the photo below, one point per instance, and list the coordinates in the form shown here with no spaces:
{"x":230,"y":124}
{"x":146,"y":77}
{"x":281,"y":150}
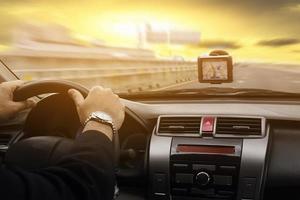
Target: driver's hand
{"x":9,"y":108}
{"x":99,"y":99}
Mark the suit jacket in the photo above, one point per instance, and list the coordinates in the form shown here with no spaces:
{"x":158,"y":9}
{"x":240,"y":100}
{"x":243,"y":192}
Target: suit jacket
{"x":86,"y":173}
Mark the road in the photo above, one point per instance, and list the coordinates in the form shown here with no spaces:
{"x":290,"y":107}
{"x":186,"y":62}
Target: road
{"x":253,"y":75}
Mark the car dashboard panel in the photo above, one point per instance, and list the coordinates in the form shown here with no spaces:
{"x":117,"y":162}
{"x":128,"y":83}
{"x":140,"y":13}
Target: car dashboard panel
{"x":205,"y":150}
{"x":222,"y":150}
{"x":208,"y":156}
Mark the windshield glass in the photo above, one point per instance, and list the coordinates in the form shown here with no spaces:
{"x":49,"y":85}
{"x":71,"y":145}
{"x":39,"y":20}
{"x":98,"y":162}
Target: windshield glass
{"x":147,"y":46}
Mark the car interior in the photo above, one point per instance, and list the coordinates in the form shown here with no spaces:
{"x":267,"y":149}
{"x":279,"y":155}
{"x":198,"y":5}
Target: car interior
{"x":211,"y":90}
{"x":205,"y":148}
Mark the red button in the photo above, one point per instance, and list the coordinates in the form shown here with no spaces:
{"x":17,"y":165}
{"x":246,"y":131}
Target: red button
{"x":208,"y":124}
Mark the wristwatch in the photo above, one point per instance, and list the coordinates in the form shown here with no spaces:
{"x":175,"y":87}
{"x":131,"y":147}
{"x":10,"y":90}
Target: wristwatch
{"x":102,"y":118}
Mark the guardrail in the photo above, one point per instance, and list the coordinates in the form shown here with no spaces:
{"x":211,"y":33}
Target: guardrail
{"x":122,"y":75}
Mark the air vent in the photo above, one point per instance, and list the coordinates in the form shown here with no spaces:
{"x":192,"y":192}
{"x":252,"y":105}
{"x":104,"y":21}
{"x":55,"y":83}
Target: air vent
{"x":239,"y":126}
{"x":4,"y":141}
{"x":179,"y":125}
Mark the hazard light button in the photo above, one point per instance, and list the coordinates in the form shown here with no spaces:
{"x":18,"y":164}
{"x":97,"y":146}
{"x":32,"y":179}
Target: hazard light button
{"x":208,"y":124}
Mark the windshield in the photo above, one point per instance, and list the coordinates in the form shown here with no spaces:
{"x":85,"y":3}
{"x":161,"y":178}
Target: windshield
{"x":147,"y":46}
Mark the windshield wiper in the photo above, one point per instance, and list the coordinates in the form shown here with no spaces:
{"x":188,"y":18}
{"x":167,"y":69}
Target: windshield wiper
{"x":213,"y":92}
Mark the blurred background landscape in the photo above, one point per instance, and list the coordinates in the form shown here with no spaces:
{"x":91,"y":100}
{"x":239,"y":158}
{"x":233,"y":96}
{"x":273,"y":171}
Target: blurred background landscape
{"x":148,"y":45}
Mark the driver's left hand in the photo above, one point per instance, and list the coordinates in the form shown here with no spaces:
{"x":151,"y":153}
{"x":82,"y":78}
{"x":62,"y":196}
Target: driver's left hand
{"x":9,"y":108}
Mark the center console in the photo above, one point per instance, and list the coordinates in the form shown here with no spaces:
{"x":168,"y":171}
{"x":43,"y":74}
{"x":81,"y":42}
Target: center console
{"x":204,"y":166}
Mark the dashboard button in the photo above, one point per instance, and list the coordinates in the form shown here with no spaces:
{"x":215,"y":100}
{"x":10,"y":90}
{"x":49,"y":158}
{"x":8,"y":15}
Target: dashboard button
{"x":178,"y":166}
{"x":179,"y":191}
{"x":208,"y":124}
{"x":203,"y":178}
{"x":159,"y":196}
{"x":197,"y":191}
{"x":182,"y":178}
{"x":160,"y":183}
{"x":225,"y":193}
{"x":248,"y":188}
{"x":205,"y":167}
{"x":222,"y":180}
{"x":228,"y":168}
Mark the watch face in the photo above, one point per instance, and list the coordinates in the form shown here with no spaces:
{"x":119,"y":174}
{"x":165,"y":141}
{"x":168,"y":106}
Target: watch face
{"x":102,"y":115}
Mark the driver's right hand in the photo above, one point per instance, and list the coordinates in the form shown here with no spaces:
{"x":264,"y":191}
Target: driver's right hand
{"x":99,"y":99}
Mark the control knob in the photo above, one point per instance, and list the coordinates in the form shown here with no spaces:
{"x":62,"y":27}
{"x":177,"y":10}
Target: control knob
{"x":203,"y":178}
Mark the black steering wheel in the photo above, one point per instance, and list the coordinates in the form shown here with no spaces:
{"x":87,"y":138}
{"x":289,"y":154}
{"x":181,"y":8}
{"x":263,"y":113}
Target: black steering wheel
{"x":35,"y":88}
{"x":50,"y":126}
{"x":54,"y":115}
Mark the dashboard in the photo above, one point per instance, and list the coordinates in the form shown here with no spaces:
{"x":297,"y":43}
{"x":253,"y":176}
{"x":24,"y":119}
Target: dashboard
{"x":213,"y":149}
{"x":204,"y":149}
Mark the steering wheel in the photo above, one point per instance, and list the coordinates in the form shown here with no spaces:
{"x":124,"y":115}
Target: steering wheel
{"x":36,"y":88}
{"x":50,"y":126}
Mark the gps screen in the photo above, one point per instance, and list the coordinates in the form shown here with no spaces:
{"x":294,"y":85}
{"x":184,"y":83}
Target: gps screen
{"x":215,"y":69}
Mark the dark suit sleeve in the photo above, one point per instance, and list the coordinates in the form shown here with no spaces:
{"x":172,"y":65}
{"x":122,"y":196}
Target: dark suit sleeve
{"x":86,"y":173}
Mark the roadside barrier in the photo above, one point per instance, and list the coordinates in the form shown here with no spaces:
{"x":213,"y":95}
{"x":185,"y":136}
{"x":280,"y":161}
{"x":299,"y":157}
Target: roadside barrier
{"x":120,"y":74}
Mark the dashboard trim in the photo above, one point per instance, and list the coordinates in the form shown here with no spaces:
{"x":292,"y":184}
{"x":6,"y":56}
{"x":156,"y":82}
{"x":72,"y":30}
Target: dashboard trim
{"x":281,"y":110}
{"x":159,"y":162}
{"x":253,"y":161}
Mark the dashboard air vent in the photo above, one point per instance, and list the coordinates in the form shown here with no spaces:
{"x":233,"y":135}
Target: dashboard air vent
{"x":5,"y":139}
{"x":239,"y":126}
{"x":179,"y":125}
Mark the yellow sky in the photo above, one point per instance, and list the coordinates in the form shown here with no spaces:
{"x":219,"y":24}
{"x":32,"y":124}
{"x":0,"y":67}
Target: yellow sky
{"x":262,"y":32}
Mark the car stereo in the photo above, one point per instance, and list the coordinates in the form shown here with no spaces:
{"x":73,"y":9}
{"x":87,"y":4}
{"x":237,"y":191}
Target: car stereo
{"x":208,"y":171}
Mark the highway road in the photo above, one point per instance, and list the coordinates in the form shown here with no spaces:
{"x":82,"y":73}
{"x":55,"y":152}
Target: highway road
{"x":277,"y":77}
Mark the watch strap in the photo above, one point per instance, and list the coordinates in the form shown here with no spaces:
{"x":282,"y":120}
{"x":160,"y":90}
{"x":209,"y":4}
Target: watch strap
{"x":102,"y":121}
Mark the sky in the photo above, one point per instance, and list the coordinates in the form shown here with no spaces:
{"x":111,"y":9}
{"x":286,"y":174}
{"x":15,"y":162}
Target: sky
{"x":256,"y":30}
